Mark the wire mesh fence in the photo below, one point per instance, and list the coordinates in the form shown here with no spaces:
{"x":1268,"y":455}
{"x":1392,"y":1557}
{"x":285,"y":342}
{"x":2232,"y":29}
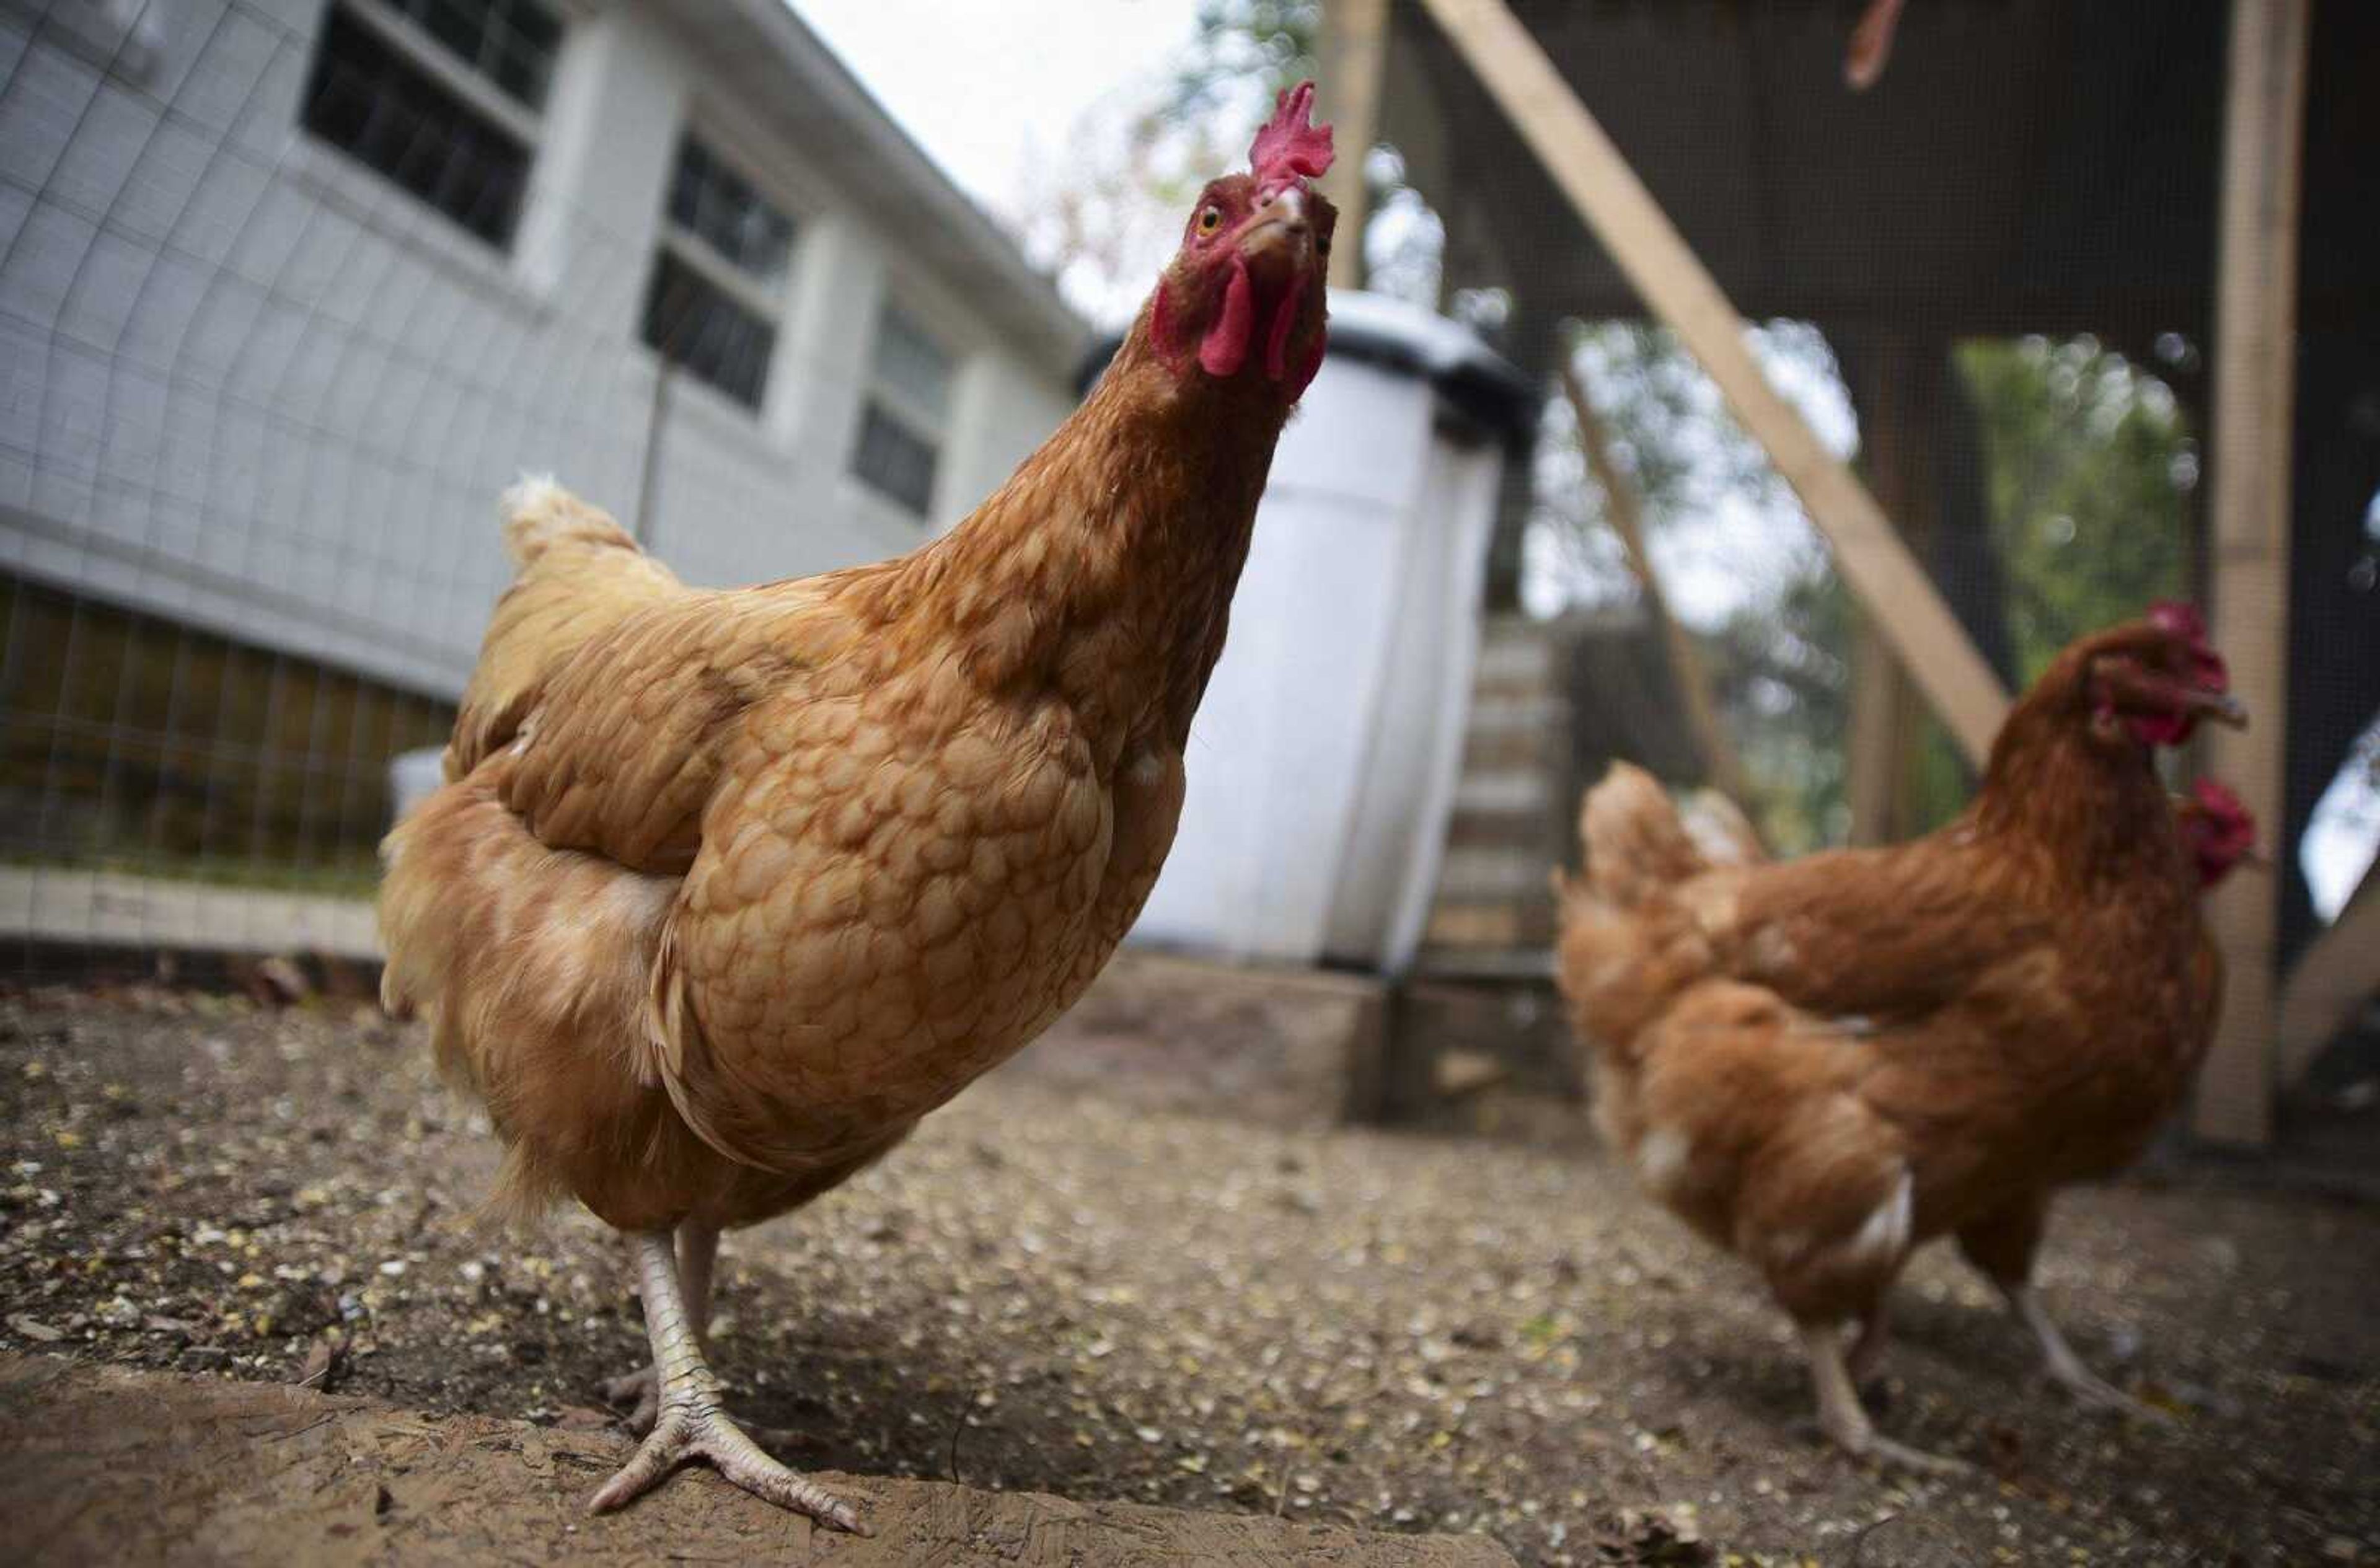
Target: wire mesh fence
{"x":289,"y":291}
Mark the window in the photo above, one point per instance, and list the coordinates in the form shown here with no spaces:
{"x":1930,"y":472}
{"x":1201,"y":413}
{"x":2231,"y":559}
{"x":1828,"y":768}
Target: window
{"x":712,"y":304}
{"x":439,"y":96}
{"x":902,"y":423}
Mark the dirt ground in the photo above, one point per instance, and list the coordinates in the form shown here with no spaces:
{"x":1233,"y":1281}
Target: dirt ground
{"x":105,"y":1465}
{"x":1050,"y":1293}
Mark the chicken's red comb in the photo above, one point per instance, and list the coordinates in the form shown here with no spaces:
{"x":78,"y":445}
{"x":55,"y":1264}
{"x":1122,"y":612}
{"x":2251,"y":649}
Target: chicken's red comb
{"x":2181,"y":620}
{"x":1289,"y":146}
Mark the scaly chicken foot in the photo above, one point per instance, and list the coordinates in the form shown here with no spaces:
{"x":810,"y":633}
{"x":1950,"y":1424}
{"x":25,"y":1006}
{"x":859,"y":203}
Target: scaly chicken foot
{"x":1845,"y":1420}
{"x":698,"y":1250}
{"x":2066,"y":1368}
{"x":691,"y":1424}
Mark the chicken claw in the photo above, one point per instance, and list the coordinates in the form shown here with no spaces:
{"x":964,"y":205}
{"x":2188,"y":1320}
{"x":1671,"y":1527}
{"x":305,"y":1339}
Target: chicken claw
{"x":691,"y":1423}
{"x":642,"y":1392}
{"x":2066,"y":1368}
{"x":1845,"y":1421}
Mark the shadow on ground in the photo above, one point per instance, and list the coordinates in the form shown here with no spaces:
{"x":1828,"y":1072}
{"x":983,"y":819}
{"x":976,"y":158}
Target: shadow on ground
{"x":1053,"y":1294}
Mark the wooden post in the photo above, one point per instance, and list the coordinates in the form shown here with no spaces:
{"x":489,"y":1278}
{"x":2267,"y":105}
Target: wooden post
{"x":2256,"y":383}
{"x":1897,"y":402}
{"x":1625,"y":508}
{"x":1354,"y":55}
{"x":2338,"y":973}
{"x":1607,"y":194}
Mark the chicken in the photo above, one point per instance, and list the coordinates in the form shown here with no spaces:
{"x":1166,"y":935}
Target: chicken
{"x":727,"y":890}
{"x":2218,"y":830}
{"x":1821,"y":1063}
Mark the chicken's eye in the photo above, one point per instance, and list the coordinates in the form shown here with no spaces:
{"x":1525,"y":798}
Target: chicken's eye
{"x":1210,"y":220}
{"x":1322,"y":246}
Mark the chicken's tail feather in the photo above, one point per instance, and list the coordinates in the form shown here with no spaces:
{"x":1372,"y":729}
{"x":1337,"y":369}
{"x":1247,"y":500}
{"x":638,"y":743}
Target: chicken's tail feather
{"x":1635,"y":842}
{"x":1627,"y":948}
{"x":539,"y":513}
{"x":580,"y":576}
{"x":528,"y":965}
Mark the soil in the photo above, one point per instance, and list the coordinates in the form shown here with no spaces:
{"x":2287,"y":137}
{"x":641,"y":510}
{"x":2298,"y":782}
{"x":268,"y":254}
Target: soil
{"x":1054,"y":1292}
{"x":106,"y":1465}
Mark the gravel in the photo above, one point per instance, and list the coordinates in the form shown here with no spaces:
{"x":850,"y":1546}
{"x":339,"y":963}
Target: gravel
{"x":1053,"y":1292}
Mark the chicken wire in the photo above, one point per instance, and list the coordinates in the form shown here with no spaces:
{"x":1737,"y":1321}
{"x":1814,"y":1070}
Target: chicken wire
{"x":257,"y":403}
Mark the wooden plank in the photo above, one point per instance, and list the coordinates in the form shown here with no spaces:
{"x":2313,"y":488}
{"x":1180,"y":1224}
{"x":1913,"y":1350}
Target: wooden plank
{"x":1355,"y":58}
{"x":2255,"y":381}
{"x":1647,"y":248}
{"x":1624,"y":509}
{"x":2339,"y":972}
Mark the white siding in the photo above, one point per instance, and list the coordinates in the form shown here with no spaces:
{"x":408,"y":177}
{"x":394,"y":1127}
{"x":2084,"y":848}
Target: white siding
{"x":245,"y":383}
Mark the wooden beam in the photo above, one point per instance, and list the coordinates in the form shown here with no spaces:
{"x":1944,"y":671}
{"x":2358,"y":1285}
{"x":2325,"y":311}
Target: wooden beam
{"x":1624,"y":509}
{"x":1873,"y":757}
{"x":1355,"y":52}
{"x":1893,"y":394}
{"x":1647,"y":248}
{"x":2255,"y":384}
{"x":2339,"y":972}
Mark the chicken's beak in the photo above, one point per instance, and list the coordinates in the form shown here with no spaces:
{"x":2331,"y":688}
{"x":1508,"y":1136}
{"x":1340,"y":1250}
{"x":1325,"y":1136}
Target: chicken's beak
{"x":1279,"y":241}
{"x":2219,"y":705}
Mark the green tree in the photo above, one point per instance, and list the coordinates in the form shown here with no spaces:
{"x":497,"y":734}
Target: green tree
{"x":1269,"y":44}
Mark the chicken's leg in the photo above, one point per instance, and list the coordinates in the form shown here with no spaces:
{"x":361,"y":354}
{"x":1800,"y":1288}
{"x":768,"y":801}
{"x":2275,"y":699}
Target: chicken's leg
{"x":2002,"y":1245}
{"x":1845,"y":1421}
{"x":691,"y":1424}
{"x":698,"y":1250}
{"x":2064,"y":1367}
{"x":1868,"y":1344}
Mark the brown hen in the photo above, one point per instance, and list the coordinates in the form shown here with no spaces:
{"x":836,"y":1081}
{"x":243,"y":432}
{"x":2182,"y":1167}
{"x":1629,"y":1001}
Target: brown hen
{"x":727,"y":890}
{"x":1823,"y":1062}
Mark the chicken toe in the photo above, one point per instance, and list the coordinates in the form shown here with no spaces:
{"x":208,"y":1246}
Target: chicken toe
{"x":691,"y":1424}
{"x":2066,"y":1368}
{"x":641,"y":1392}
{"x":1845,"y":1421}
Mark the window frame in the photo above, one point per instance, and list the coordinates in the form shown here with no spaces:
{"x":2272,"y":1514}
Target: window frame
{"x":478,"y":94}
{"x":878,"y":390}
{"x":764,"y":299}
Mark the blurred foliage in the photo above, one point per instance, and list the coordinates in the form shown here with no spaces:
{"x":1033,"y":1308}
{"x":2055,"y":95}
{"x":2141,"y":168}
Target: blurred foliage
{"x":2089,"y":473}
{"x":1275,"y":44}
{"x":1717,"y":512}
{"x":2089,"y":465}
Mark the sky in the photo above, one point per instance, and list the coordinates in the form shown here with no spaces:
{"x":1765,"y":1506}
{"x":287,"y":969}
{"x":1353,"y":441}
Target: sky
{"x":984,"y":87}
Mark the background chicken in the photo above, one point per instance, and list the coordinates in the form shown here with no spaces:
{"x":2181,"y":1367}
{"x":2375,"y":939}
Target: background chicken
{"x":1821,"y":1063}
{"x":727,"y":890}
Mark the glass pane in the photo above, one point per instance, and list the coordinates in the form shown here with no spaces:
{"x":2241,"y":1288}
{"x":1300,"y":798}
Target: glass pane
{"x":913,"y":364}
{"x":690,"y":320}
{"x":511,"y":42}
{"x":366,"y":99}
{"x":708,"y":199}
{"x":895,"y":458}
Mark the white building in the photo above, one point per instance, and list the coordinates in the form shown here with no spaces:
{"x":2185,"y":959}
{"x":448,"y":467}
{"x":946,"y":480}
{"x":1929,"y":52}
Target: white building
{"x":289,"y":290}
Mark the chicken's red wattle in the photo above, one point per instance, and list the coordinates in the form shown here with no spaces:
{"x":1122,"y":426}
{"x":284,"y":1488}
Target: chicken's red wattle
{"x":1225,"y":347}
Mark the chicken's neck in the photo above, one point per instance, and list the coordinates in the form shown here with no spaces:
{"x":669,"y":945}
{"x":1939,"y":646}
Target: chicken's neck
{"x":2093,"y":805}
{"x":1103,"y":570}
